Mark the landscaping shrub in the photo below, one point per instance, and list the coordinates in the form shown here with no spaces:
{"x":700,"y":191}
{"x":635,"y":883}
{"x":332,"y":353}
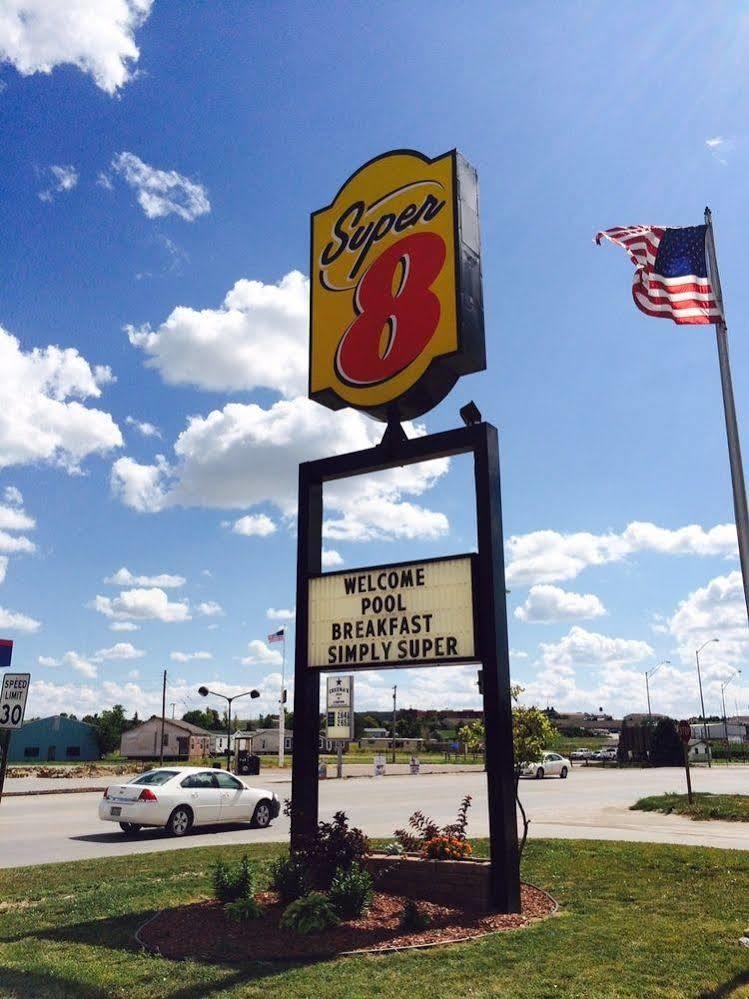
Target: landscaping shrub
{"x":289,"y":876}
{"x":351,"y":891}
{"x":233,"y":882}
{"x":334,"y":845}
{"x":413,"y":917}
{"x":312,"y":913}
{"x":243,"y":908}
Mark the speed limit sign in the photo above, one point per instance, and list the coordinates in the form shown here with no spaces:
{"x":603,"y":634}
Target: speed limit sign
{"x":13,"y":696}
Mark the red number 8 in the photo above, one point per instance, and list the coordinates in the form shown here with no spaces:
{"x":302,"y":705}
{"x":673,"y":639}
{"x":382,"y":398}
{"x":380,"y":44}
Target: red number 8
{"x":410,"y":315}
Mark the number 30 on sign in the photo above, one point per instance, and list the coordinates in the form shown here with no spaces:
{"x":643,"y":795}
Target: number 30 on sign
{"x":13,"y":696}
{"x":396,"y":312}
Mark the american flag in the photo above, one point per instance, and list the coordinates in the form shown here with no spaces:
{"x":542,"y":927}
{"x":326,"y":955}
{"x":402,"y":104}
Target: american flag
{"x":277,"y":636}
{"x":671,"y":276}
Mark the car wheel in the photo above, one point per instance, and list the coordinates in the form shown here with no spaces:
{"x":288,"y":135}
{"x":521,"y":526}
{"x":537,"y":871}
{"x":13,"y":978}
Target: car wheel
{"x":261,"y":815}
{"x":563,"y":773}
{"x":540,"y":773}
{"x":180,"y":821}
{"x":130,"y":828}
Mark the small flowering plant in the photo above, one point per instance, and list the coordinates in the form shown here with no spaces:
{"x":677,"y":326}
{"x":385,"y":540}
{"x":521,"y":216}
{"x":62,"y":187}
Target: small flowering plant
{"x":444,"y":847}
{"x":426,"y":837}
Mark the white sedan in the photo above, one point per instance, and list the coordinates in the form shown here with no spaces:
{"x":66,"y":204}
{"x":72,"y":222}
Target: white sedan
{"x":550,"y":765}
{"x":178,"y":798}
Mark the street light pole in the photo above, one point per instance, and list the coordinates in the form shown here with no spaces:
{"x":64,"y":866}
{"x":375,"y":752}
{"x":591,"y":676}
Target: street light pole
{"x":204,"y":692}
{"x":395,"y":694}
{"x":648,"y":674}
{"x":723,"y":698}
{"x":705,"y":729}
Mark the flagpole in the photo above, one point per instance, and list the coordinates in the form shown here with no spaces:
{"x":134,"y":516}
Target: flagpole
{"x":281,"y":706}
{"x":741,"y":515}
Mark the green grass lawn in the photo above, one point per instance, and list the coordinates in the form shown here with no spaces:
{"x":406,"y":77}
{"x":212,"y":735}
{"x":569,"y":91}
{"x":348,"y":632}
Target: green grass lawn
{"x":732,"y":807}
{"x":629,"y":925}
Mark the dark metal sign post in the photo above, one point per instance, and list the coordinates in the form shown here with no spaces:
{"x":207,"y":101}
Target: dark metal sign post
{"x":479,"y":439}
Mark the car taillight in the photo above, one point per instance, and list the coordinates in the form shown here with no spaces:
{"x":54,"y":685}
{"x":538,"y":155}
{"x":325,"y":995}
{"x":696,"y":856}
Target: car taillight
{"x":147,"y":795}
{"x":106,"y":792}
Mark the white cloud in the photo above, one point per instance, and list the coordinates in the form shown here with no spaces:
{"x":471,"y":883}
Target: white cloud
{"x":48,"y":661}
{"x":64,"y":178}
{"x":243,"y":456}
{"x":719,"y":146}
{"x":143,"y":604}
{"x":122,"y":650}
{"x":11,"y":544}
{"x":123,"y":626}
{"x":18,"y":622}
{"x":162,"y":192}
{"x":548,"y":556}
{"x":546,"y":603}
{"x":13,"y":496}
{"x":209,"y":608}
{"x":518,"y":654}
{"x":581,"y":648}
{"x":123,"y":577}
{"x":97,"y":36}
{"x":331,"y":559}
{"x":254,"y":525}
{"x":42,"y":418}
{"x":134,"y":674}
{"x":186,"y":657}
{"x":258,"y":338}
{"x":3,"y":567}
{"x":280,"y":614}
{"x":14,"y":519}
{"x":716,"y":610}
{"x":80,"y":664}
{"x":260,"y":654}
{"x":143,"y":427}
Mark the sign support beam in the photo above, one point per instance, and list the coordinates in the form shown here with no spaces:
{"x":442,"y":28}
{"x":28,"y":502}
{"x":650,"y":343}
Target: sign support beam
{"x":479,"y":439}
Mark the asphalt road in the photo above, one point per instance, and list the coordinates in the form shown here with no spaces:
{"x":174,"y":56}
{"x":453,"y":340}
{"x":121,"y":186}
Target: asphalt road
{"x":590,"y":804}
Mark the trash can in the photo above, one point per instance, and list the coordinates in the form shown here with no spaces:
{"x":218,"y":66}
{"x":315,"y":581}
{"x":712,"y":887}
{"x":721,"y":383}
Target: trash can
{"x":248,"y":764}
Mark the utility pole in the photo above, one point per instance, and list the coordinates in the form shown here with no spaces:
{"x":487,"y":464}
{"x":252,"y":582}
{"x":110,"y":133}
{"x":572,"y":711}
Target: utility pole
{"x":705,"y":729}
{"x":282,"y":707}
{"x":725,"y":719}
{"x":395,"y":711}
{"x":174,"y":705}
{"x":163,"y":712}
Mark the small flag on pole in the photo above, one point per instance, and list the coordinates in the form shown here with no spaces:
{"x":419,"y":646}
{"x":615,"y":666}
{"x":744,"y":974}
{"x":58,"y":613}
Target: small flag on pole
{"x":671,"y":278}
{"x":277,"y":636}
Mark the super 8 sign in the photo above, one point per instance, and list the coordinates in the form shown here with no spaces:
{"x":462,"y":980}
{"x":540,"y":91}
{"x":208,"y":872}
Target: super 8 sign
{"x":396,"y":308}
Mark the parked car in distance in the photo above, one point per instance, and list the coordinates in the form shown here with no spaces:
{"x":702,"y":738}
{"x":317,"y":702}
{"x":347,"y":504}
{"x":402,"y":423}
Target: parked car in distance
{"x":178,"y":798}
{"x":581,"y":754}
{"x":550,"y":765}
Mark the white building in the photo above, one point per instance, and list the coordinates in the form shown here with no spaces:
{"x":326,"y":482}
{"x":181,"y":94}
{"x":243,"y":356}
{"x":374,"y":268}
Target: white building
{"x":737,"y":731}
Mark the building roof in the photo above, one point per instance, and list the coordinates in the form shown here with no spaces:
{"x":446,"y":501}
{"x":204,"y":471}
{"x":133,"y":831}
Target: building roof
{"x":187,"y":726}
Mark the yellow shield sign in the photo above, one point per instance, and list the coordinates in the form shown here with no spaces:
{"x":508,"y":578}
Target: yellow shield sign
{"x":396,"y":310}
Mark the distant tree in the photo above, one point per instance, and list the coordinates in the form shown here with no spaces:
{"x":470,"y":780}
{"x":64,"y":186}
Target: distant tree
{"x":208,"y":719}
{"x":110,"y":725}
{"x":472,"y":736}
{"x":665,"y":744}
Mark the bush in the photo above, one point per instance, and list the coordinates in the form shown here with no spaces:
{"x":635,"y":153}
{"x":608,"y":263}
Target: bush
{"x":243,"y":908}
{"x":334,"y":845}
{"x":351,"y":891}
{"x":232,"y":882}
{"x":444,"y":847}
{"x":312,"y":913}
{"x":413,"y":917}
{"x":289,"y":876}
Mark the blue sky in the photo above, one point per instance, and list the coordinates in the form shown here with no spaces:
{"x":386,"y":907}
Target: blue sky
{"x":158,"y":166}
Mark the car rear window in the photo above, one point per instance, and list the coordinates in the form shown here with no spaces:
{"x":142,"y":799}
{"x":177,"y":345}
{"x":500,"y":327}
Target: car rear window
{"x":156,"y":777}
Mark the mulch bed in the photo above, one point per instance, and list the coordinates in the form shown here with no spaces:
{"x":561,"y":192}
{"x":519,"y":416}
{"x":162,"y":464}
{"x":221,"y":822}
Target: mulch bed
{"x":202,"y":931}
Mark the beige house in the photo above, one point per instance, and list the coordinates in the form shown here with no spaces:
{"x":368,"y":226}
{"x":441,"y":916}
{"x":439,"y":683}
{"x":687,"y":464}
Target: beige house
{"x":181,"y":741}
